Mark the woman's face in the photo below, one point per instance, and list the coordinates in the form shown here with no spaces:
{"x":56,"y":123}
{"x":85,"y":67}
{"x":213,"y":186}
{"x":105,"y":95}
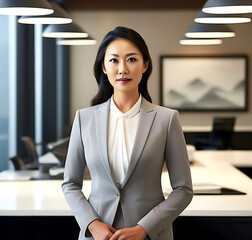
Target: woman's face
{"x":124,"y":65}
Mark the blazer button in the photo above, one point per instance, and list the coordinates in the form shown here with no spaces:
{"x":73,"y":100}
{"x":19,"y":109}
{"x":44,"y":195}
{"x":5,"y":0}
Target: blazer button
{"x":117,"y":194}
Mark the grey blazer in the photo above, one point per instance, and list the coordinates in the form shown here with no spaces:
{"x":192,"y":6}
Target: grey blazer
{"x":159,"y":139}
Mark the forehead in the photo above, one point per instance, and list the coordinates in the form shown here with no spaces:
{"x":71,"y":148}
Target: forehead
{"x":122,"y":46}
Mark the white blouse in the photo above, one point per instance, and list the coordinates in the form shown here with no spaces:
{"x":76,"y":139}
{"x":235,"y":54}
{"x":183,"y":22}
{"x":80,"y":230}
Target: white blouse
{"x":122,"y":129}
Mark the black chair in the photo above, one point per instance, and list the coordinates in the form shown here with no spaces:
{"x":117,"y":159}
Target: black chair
{"x":59,"y":149}
{"x":219,"y":139}
{"x":31,"y":162}
{"x":17,"y":162}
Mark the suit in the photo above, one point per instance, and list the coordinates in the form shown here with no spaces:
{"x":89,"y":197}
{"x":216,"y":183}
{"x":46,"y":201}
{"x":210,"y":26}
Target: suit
{"x":159,"y":139}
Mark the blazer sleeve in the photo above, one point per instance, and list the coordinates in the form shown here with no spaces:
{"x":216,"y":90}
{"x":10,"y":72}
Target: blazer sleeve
{"x":159,"y":218}
{"x":73,"y":179}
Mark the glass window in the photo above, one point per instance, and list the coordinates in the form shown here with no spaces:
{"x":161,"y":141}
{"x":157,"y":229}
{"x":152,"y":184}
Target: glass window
{"x":4,"y":92}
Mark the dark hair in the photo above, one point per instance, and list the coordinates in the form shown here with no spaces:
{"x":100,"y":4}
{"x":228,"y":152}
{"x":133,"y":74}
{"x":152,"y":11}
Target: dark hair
{"x":105,"y":88}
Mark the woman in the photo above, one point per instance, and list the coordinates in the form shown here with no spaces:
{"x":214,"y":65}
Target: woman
{"x":124,"y":141}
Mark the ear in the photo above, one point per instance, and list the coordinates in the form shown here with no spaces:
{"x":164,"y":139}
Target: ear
{"x":146,"y":65}
{"x":103,"y":68}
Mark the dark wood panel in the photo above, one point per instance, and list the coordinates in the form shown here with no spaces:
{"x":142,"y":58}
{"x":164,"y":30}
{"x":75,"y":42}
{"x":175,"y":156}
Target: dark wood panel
{"x":38,"y":228}
{"x":209,"y":228}
{"x":239,"y":141}
{"x":133,"y":4}
{"x":66,"y":228}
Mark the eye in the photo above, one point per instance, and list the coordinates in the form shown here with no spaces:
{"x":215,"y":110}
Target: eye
{"x":113,"y":60}
{"x":132,"y":59}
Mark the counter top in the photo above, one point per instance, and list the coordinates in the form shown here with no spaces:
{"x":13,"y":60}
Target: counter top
{"x":45,"y":198}
{"x":218,"y":167}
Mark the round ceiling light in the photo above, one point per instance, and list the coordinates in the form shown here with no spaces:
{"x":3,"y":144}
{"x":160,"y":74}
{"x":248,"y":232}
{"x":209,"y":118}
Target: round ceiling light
{"x":25,"y":7}
{"x":200,"y":41}
{"x":227,"y":6}
{"x":60,"y":16}
{"x":209,"y":31}
{"x":77,"y":41}
{"x":221,"y":18}
{"x":70,"y":30}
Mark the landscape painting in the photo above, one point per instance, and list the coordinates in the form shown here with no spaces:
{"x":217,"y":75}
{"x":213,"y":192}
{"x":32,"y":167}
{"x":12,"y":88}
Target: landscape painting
{"x":204,"y":83}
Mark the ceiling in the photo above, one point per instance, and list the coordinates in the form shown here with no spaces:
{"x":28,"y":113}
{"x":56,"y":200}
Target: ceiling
{"x":133,"y":4}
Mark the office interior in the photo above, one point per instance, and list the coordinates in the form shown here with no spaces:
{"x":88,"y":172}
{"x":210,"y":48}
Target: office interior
{"x":42,"y":84}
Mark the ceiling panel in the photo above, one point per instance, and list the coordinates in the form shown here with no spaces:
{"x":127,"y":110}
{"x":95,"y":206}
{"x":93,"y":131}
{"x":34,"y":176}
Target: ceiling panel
{"x":133,"y":4}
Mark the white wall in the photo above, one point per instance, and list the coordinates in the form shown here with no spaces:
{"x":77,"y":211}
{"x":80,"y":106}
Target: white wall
{"x":162,"y":31}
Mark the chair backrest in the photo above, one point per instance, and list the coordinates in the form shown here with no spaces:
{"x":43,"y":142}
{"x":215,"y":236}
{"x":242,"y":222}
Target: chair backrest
{"x":223,"y":125}
{"x":17,"y":162}
{"x":59,"y":149}
{"x":32,"y":156}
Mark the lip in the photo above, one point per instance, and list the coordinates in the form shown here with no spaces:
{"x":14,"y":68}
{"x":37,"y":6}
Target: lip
{"x":124,"y":80}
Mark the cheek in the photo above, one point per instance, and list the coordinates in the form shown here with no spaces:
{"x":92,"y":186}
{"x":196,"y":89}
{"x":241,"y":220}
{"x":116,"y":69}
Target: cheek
{"x":111,"y":74}
{"x":138,"y":71}
{"x":110,"y":69}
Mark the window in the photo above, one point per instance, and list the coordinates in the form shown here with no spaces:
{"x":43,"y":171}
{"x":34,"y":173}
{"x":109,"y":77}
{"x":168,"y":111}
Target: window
{"x":4,"y":91}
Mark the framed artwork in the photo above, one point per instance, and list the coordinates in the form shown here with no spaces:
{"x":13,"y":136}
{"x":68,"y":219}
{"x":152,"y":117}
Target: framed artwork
{"x":204,"y":83}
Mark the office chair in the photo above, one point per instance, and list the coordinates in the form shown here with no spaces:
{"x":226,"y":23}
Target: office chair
{"x":219,"y":139}
{"x":17,"y":162}
{"x":59,"y":149}
{"x":31,"y":162}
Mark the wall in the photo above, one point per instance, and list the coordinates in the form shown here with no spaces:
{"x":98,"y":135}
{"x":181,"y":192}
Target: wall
{"x":162,"y":31}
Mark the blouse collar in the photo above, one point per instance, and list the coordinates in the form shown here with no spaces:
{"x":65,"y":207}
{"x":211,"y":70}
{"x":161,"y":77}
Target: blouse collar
{"x":130,"y":114}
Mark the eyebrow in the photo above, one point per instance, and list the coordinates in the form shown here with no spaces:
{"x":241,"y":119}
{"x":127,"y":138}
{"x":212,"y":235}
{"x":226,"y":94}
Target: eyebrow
{"x":128,"y":54}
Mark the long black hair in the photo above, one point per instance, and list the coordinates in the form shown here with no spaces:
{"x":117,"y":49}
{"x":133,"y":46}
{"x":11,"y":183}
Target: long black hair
{"x":105,"y":88}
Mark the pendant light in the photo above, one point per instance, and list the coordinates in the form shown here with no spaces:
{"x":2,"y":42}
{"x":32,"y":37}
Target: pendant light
{"x":25,"y":7}
{"x":60,"y":16}
{"x":200,"y":41}
{"x":209,"y":31}
{"x":70,"y":30}
{"x":77,"y":41}
{"x":227,"y":6}
{"x":221,"y":18}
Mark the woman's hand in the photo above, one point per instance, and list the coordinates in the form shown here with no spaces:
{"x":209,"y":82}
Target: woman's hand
{"x":100,"y":230}
{"x":133,"y":233}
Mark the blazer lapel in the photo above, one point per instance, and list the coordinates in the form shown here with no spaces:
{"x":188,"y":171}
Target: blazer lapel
{"x":101,"y":122}
{"x":147,"y":116}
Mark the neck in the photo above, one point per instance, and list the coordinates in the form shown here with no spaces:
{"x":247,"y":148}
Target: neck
{"x":125,"y":101}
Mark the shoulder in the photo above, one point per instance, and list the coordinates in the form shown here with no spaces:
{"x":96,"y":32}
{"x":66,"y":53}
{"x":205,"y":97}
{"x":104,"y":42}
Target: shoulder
{"x":162,"y":111}
{"x":88,"y":110}
{"x":167,"y":118}
{"x":164,"y":116}
{"x":86,"y":116}
{"x":91,"y":110}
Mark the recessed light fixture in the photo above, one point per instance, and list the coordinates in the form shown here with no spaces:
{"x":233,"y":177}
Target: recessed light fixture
{"x":60,"y":16}
{"x":227,"y":6}
{"x":25,"y":7}
{"x":209,"y":31}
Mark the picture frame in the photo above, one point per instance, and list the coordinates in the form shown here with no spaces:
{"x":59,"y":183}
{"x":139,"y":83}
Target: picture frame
{"x":204,"y":83}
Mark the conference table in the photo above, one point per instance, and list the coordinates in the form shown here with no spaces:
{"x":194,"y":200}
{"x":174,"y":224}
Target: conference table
{"x":37,"y":209}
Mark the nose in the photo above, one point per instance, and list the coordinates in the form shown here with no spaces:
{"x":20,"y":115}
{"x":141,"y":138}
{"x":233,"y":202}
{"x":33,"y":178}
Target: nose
{"x":123,"y":68}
